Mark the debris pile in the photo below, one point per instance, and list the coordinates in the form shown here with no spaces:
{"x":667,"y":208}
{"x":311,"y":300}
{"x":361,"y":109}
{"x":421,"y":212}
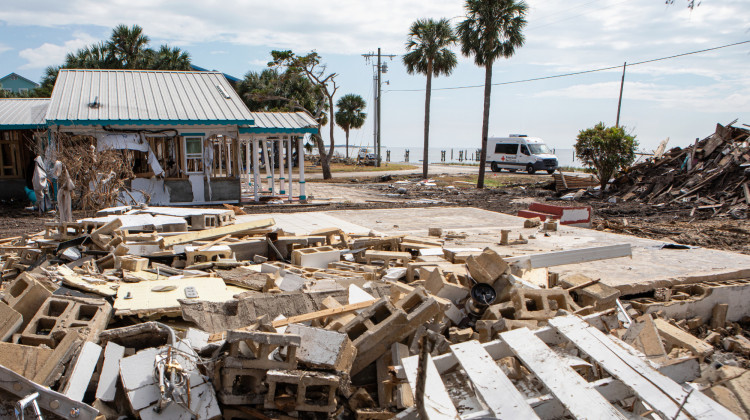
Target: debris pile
{"x":164,"y":313}
{"x":712,"y":174}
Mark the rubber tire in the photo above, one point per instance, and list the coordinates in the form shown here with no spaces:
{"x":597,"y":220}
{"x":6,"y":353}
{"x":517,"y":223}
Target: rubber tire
{"x":550,"y":171}
{"x":530,"y":169}
{"x":494,"y":167}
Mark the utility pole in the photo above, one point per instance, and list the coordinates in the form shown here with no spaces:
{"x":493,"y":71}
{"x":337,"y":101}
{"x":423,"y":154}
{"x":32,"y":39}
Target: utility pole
{"x":379,"y":69}
{"x":619,"y":103}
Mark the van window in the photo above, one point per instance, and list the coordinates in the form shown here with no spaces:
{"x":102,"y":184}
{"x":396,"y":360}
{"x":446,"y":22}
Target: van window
{"x":524,"y":150}
{"x":506,"y":149}
{"x":539,"y":149}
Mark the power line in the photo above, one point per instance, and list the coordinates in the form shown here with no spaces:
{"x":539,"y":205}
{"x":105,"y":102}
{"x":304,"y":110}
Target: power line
{"x":556,"y":76}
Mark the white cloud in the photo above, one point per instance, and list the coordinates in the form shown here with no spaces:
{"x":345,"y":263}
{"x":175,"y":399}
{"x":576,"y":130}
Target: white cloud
{"x":4,"y":48}
{"x":49,"y":54}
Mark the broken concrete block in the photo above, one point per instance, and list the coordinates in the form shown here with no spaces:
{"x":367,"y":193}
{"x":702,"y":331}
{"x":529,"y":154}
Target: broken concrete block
{"x":62,"y":312}
{"x":324,"y":349}
{"x":318,"y":257}
{"x":737,"y":344}
{"x":599,"y":295}
{"x":741,"y":388}
{"x":298,"y":390}
{"x":675,"y":337}
{"x":540,"y":304}
{"x":10,"y":321}
{"x":719,"y":315}
{"x":110,"y":374}
{"x":456,"y":335}
{"x":438,"y":232}
{"x":83,"y":368}
{"x":533,"y":222}
{"x":195,"y":255}
{"x":401,"y":258}
{"x":131,"y":263}
{"x":487,"y":266}
{"x":25,"y":295}
{"x":251,"y":350}
{"x":644,"y":336}
{"x":439,"y":286}
{"x":727,"y":398}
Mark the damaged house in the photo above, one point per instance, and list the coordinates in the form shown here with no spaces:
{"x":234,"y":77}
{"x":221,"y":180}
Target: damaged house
{"x":22,"y":125}
{"x":189,"y":136}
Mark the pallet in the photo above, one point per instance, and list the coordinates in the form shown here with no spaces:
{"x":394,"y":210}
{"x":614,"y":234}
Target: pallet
{"x":493,"y":394}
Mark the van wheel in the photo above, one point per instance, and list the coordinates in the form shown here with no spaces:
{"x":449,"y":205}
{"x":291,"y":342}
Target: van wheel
{"x":530,"y":169}
{"x":550,"y":171}
{"x":494,"y":167}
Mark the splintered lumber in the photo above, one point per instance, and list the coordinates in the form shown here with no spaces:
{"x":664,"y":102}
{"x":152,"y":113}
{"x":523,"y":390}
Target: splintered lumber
{"x":662,"y":393}
{"x":323,"y":313}
{"x":439,"y":404}
{"x":496,"y":390}
{"x":564,"y":383}
{"x":214,"y":233}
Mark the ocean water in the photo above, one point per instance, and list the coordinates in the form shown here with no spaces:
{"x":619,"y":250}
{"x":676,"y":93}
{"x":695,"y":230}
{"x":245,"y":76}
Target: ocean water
{"x":565,"y":157}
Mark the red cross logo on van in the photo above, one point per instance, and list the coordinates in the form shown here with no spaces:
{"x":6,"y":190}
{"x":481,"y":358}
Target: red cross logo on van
{"x":502,"y":158}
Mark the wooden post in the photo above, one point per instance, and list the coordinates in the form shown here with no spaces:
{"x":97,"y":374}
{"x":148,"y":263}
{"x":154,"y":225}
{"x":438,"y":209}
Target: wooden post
{"x":256,"y":169}
{"x":301,"y":155}
{"x":282,"y":181}
{"x":290,"y":162}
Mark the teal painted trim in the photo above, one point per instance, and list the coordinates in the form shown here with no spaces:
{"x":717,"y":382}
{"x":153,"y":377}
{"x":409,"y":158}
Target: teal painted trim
{"x":301,"y":182}
{"x":303,"y":197}
{"x":282,"y":192}
{"x":192,"y":134}
{"x":22,"y":127}
{"x":260,"y":130}
{"x":68,"y":123}
{"x":283,"y":179}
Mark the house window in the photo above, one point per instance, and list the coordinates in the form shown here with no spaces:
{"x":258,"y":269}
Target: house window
{"x":23,"y":90}
{"x":193,"y":154}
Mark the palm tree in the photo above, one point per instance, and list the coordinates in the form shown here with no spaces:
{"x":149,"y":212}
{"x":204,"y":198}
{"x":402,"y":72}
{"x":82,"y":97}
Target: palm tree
{"x":429,"y":54}
{"x":350,"y":115}
{"x":492,"y":29}
{"x":129,"y":45}
{"x":167,"y":58}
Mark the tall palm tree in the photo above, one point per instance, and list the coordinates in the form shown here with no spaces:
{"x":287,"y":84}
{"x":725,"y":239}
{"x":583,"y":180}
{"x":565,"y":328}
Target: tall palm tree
{"x":167,"y":58}
{"x":429,"y":54}
{"x":129,"y":45}
{"x":491,"y":30}
{"x":350,"y":114}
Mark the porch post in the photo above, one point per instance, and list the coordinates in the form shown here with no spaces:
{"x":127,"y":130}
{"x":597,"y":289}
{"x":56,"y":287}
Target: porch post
{"x":290,"y":162}
{"x":256,"y":169}
{"x":269,"y":165}
{"x":301,"y":154}
{"x":282,"y":184}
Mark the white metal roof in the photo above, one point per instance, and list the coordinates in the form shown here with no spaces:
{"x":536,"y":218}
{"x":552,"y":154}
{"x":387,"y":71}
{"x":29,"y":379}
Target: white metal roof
{"x":281,"y":122}
{"x":100,"y":97}
{"x":23,"y":112}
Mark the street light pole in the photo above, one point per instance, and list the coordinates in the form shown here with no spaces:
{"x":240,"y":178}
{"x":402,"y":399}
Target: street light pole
{"x":379,"y":69}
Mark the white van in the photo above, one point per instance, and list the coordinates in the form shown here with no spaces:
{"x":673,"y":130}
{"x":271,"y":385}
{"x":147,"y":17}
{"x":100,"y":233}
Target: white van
{"x":519,"y":152}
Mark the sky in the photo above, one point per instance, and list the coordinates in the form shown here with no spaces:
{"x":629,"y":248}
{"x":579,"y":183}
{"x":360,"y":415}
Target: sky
{"x":680,"y":99}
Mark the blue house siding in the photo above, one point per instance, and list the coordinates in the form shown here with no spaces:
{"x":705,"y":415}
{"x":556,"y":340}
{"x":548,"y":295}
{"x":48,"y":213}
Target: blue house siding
{"x":17,"y":83}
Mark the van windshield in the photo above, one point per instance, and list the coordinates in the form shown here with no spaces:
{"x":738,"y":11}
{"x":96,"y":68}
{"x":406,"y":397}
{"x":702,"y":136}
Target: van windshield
{"x":539,"y":149}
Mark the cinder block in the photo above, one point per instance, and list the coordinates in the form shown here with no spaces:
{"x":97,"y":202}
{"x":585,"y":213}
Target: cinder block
{"x":63,"y":312}
{"x":301,"y":391}
{"x":131,"y":263}
{"x":214,"y":253}
{"x":10,"y":321}
{"x":487,"y":266}
{"x":599,"y":295}
{"x":540,"y":304}
{"x":242,"y":386}
{"x":251,"y":350}
{"x":401,"y":258}
{"x":26,"y":296}
{"x":318,"y":257}
{"x":324,"y":349}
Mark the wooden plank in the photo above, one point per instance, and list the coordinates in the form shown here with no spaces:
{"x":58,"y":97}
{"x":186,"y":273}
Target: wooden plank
{"x":578,"y":397}
{"x":572,"y":256}
{"x":438,"y":403}
{"x":746,"y":190}
{"x":494,"y":388}
{"x":323,"y":313}
{"x":212,"y":243}
{"x":629,"y":368}
{"x":218,"y":232}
